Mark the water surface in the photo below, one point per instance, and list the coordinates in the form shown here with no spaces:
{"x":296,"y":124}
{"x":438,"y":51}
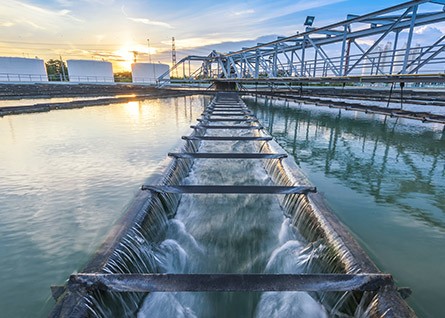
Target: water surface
{"x":384,"y":178}
{"x":33,"y":101}
{"x":65,"y":177}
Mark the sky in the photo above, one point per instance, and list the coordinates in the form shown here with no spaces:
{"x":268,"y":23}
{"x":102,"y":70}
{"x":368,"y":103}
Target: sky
{"x":113,"y":30}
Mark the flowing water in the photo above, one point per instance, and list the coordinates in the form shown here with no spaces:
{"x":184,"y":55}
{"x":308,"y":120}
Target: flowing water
{"x":385,"y":179}
{"x":65,"y":177}
{"x":230,"y":233}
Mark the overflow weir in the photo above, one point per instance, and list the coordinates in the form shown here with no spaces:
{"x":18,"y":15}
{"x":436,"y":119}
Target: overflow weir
{"x":229,"y":227}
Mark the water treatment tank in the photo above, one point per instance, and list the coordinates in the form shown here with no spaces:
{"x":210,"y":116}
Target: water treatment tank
{"x":19,"y":69}
{"x":90,"y":71}
{"x":148,"y":73}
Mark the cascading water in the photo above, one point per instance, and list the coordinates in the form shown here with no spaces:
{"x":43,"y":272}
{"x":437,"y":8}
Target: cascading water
{"x":235,"y":233}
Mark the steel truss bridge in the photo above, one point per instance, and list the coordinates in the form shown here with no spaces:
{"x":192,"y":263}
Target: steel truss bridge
{"x":383,"y":46}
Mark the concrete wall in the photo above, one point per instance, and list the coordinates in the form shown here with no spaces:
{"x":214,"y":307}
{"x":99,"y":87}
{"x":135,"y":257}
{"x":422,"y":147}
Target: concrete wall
{"x":148,"y":72}
{"x":18,"y":69}
{"x":87,"y":71}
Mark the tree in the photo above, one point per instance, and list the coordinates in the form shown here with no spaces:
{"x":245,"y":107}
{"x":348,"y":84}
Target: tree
{"x":55,"y":71}
{"x":123,"y":77}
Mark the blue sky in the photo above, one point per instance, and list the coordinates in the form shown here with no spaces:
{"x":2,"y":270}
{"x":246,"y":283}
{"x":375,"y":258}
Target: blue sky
{"x":111,"y":29}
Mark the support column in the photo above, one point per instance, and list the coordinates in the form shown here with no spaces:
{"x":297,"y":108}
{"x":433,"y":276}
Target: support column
{"x":410,"y":38}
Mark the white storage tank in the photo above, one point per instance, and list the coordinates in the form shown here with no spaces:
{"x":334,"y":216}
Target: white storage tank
{"x":148,"y":73}
{"x":19,"y":69}
{"x":89,"y":71}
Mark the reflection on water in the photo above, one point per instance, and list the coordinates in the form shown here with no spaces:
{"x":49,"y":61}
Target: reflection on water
{"x":384,"y":177}
{"x":65,"y":177}
{"x":33,"y":101}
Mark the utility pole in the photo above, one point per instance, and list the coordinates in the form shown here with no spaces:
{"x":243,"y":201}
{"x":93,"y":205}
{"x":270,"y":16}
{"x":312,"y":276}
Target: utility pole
{"x":174,"y":54}
{"x":149,"y":53}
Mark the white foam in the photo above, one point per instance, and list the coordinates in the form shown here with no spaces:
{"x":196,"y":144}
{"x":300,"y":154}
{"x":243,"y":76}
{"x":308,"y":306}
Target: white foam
{"x":289,"y":304}
{"x":164,"y":305}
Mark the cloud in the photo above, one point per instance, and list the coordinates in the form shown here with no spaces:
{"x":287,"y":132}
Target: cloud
{"x":429,"y":30}
{"x":65,"y":3}
{"x":365,"y":42}
{"x":44,"y":11}
{"x":35,"y":25}
{"x":236,"y":21}
{"x":72,"y":3}
{"x":145,"y":20}
{"x":21,"y":13}
{"x":7,"y":24}
{"x":244,"y":12}
{"x":276,"y":10}
{"x":203,"y":47}
{"x":196,"y":42}
{"x":150,"y":22}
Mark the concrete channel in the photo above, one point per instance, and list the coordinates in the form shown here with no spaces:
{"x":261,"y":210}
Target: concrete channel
{"x":342,"y":267}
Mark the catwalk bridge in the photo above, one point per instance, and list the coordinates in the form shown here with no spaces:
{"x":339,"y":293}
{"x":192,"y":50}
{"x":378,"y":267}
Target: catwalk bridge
{"x":382,"y":46}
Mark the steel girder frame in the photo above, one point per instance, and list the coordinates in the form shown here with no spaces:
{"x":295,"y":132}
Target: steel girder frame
{"x":310,"y":54}
{"x":379,"y":25}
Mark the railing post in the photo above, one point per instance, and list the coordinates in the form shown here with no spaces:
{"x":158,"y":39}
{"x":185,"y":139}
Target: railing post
{"x":410,"y":38}
{"x":394,"y":50}
{"x":257,"y":63}
{"x":303,"y":53}
{"x":315,"y":64}
{"x":343,"y":48}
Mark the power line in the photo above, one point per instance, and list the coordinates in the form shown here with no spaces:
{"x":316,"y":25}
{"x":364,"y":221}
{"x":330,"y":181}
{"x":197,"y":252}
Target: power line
{"x":59,"y":43}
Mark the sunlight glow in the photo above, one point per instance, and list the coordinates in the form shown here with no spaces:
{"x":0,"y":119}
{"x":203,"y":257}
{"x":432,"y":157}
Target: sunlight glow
{"x":132,"y":111}
{"x":129,"y":52}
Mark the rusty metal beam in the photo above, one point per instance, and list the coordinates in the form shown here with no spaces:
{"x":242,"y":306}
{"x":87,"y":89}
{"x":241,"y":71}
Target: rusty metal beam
{"x":229,"y":189}
{"x":229,"y":282}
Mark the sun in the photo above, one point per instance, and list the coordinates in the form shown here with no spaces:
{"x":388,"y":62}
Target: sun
{"x":131,"y":52}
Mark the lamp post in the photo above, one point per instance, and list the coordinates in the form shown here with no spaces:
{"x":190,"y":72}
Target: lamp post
{"x":149,"y":53}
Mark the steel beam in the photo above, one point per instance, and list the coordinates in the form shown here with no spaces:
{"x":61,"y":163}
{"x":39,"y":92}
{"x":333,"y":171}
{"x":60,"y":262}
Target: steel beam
{"x":229,"y":189}
{"x":226,"y":127}
{"x":226,"y":155}
{"x":145,"y":283}
{"x":227,"y":138}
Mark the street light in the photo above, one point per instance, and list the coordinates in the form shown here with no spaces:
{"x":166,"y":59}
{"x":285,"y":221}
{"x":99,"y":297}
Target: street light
{"x":309,"y":20}
{"x":149,"y":54}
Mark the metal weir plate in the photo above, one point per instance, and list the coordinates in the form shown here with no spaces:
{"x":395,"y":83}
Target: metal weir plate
{"x":246,"y":120}
{"x":226,"y":127}
{"x":226,"y":155}
{"x":245,"y":114}
{"x":212,"y":108}
{"x":230,"y":109}
{"x":227,"y":138}
{"x":227,"y":104}
{"x":229,"y":189}
{"x":229,"y":282}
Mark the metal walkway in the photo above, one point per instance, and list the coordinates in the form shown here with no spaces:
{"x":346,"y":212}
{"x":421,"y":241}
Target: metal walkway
{"x":349,"y":105}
